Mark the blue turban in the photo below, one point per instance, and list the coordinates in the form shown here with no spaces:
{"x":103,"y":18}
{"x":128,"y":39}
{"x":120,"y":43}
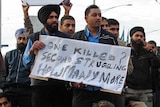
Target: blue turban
{"x":19,"y":32}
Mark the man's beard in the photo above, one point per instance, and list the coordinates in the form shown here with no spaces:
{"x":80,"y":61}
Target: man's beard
{"x":21,"y":47}
{"x":137,"y":45}
{"x":51,"y":29}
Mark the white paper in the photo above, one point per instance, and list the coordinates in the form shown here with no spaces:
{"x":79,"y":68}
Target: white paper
{"x":91,"y":63}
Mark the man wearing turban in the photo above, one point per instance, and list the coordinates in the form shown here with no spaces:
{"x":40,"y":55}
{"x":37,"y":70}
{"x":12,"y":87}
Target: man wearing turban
{"x":139,"y":82}
{"x":45,"y":93}
{"x":17,"y":81}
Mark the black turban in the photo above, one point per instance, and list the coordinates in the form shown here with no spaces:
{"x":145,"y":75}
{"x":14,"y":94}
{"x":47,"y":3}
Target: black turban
{"x":135,"y":29}
{"x":46,"y":10}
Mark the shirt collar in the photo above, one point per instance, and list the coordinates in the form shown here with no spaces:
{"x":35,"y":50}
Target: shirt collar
{"x":88,"y":33}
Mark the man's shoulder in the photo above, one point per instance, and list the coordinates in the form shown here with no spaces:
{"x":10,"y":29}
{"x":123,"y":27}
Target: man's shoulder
{"x":105,"y":35}
{"x":63,"y":35}
{"x":121,"y":43}
{"x":79,"y":34}
{"x":11,"y":51}
{"x":34,"y":36}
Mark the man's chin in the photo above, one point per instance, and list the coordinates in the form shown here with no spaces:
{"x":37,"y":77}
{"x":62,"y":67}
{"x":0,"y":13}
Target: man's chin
{"x":138,"y":42}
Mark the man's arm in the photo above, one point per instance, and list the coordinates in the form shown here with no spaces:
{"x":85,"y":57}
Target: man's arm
{"x":27,"y":22}
{"x":67,"y":8}
{"x":31,"y":50}
{"x":28,"y":58}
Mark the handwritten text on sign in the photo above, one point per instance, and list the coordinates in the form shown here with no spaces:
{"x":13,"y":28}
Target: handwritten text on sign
{"x":78,"y":61}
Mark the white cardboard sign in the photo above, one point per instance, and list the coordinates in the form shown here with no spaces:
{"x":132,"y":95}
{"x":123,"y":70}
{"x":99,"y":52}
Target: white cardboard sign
{"x":94,"y":64}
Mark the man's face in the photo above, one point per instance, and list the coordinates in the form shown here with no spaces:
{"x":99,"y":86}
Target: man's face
{"x":114,"y":29}
{"x":137,"y":40}
{"x":138,"y":37}
{"x":52,"y":23}
{"x":150,"y":46}
{"x":4,"y":102}
{"x":104,"y":25}
{"x":94,"y":18}
{"x":68,"y":26}
{"x":22,"y":42}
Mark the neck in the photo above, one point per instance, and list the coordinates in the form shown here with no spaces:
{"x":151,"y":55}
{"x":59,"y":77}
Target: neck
{"x":94,"y":31}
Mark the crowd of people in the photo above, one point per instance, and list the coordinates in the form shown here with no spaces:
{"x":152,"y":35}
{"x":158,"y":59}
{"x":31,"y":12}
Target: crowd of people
{"x":142,"y":84}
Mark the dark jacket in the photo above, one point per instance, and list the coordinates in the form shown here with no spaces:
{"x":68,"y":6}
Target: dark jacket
{"x":2,"y":71}
{"x":34,"y":37}
{"x":105,"y":37}
{"x":156,"y":77}
{"x":16,"y":72}
{"x":141,"y":77}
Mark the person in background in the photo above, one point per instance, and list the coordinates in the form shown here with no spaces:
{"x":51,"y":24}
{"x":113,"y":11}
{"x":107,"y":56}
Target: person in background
{"x":104,"y":24}
{"x":17,"y":82}
{"x":45,"y":93}
{"x":85,"y":95}
{"x":5,"y":100}
{"x":113,"y":27}
{"x":139,"y":83}
{"x":67,"y":24}
{"x":2,"y":72}
{"x":152,"y":46}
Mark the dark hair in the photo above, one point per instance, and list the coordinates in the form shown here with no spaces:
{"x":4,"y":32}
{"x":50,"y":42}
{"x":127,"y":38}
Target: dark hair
{"x":103,"y":18}
{"x":89,"y":8}
{"x":137,"y":28}
{"x":112,"y":22}
{"x":66,"y":18}
{"x":5,"y":95}
{"x":152,"y":42}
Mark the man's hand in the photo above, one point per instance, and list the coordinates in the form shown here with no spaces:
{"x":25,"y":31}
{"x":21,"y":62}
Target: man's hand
{"x":25,"y":10}
{"x":37,"y":45}
{"x":67,"y":8}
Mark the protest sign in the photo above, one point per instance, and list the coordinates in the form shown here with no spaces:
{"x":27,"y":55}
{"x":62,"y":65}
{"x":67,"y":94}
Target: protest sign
{"x":41,"y":2}
{"x":94,"y":64}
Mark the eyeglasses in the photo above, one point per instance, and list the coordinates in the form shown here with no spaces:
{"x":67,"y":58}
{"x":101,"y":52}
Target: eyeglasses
{"x":4,"y":103}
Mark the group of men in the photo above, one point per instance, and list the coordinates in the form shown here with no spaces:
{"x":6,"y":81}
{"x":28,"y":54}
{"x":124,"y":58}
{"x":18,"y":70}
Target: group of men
{"x":26,"y":92}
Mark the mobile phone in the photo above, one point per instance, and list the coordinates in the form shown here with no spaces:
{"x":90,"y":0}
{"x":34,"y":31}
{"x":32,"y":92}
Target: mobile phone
{"x":67,"y":2}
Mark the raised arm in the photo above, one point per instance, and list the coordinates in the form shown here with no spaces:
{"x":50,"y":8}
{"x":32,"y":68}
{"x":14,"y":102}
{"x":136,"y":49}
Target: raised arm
{"x":27,"y":22}
{"x":67,"y":8}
